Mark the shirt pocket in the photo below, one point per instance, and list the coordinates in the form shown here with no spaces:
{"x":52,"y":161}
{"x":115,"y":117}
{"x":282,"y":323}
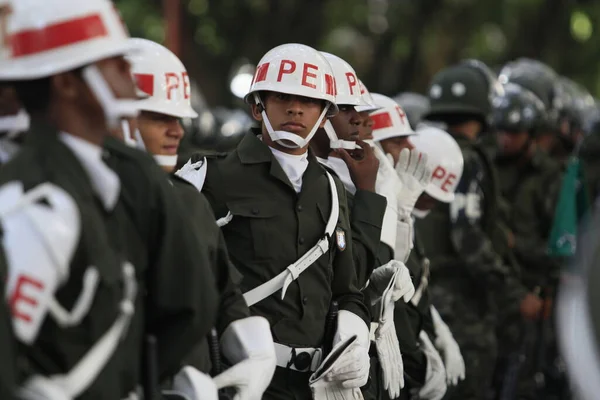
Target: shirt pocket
{"x":253,"y":221}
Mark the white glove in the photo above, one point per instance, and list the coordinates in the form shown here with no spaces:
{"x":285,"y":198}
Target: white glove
{"x":453,"y":360}
{"x":386,"y":342}
{"x":388,"y":184}
{"x":40,"y":387}
{"x":352,"y":370}
{"x":380,"y":278}
{"x":194,"y":385}
{"x":435,"y":375}
{"x":249,"y":344}
{"x":415,"y":174}
{"x":322,"y":386}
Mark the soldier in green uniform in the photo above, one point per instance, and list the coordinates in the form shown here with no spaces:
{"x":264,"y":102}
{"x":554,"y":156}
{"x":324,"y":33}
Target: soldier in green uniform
{"x":160,"y":133}
{"x":282,"y":203}
{"x":124,"y":279}
{"x":468,"y":276}
{"x":529,"y":181}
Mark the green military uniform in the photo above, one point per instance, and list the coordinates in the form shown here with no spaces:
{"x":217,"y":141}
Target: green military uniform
{"x":7,"y":344}
{"x":468,"y":275}
{"x":232,"y":305}
{"x":180,"y":302}
{"x":110,"y":237}
{"x":531,"y":190}
{"x":272,"y":227}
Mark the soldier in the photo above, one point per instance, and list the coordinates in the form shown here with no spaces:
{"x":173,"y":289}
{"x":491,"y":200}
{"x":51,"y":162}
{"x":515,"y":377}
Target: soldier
{"x":163,"y":78}
{"x":290,"y":228}
{"x":366,"y":127}
{"x":529,"y":181}
{"x":459,"y":237}
{"x":543,"y":81}
{"x":75,"y":84}
{"x":333,"y":146}
{"x":422,"y":366}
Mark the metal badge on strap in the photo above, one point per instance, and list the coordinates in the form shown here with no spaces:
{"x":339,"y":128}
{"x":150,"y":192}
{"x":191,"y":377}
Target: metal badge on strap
{"x":293,"y":271}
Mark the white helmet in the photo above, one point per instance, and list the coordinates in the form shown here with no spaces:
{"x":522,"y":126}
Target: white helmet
{"x":294,"y":69}
{"x":163,"y":83}
{"x":162,"y":78}
{"x":390,"y":120}
{"x":367,"y":98}
{"x":49,"y":37}
{"x":445,"y":157}
{"x":348,"y":93}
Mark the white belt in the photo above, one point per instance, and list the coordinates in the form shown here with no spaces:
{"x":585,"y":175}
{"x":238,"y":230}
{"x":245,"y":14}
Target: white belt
{"x":293,"y":271}
{"x":289,"y":357}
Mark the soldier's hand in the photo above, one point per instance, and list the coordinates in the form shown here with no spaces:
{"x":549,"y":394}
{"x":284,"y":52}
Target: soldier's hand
{"x":363,"y":171}
{"x":531,"y":306}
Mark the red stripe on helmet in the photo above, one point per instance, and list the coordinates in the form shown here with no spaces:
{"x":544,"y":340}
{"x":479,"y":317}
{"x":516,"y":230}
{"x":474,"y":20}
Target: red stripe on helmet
{"x":382,"y":120}
{"x":145,"y":82}
{"x":58,"y":35}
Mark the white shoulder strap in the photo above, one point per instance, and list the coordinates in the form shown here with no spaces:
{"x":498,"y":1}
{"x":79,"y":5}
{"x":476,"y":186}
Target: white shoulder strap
{"x":293,"y":271}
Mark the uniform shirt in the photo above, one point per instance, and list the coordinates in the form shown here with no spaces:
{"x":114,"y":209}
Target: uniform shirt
{"x":366,"y":218}
{"x":272,"y":227}
{"x":173,"y":267}
{"x":459,"y":238}
{"x":231,"y":305}
{"x":45,"y":158}
{"x":531,"y":190}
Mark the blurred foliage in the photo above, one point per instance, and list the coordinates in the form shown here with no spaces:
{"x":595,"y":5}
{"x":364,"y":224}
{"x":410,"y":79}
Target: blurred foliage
{"x":394,"y":45}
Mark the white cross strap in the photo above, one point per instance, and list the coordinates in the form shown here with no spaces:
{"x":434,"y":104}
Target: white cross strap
{"x":293,"y":271}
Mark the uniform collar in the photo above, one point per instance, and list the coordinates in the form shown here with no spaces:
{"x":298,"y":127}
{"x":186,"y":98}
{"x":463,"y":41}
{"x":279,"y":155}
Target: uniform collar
{"x":105,"y":182}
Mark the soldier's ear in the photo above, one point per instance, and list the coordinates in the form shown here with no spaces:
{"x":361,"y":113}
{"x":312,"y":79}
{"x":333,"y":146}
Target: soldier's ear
{"x":67,"y":85}
{"x":257,"y":112}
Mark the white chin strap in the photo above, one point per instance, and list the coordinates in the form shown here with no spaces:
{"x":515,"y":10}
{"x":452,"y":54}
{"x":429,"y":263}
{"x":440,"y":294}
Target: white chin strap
{"x":132,"y":140}
{"x":114,"y":109}
{"x":165,"y":161}
{"x":420,"y":214}
{"x":13,"y":125}
{"x":370,"y":142}
{"x":336,"y":143}
{"x":288,"y":139}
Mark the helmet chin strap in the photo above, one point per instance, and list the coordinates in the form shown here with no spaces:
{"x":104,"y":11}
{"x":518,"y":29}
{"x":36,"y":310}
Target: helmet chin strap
{"x":132,"y":140}
{"x":114,"y":109}
{"x":166,"y":161}
{"x":336,"y":143}
{"x":288,"y":139}
{"x":14,"y":124}
{"x":420,"y":214}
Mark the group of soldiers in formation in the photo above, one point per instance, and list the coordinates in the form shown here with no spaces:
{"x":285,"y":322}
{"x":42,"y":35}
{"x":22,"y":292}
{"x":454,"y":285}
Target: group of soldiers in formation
{"x":351,"y":246}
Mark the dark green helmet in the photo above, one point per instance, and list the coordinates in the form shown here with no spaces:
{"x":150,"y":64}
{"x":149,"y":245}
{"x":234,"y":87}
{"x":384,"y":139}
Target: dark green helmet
{"x":518,"y":110}
{"x":542,"y":81}
{"x":463,"y":90}
{"x":415,"y":105}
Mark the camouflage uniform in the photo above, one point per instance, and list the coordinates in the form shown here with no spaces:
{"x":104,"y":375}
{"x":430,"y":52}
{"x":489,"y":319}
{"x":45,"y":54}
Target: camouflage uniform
{"x":468,"y":275}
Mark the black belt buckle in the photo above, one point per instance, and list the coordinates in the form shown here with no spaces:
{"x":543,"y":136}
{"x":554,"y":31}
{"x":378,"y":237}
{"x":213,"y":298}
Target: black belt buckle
{"x":301,"y":361}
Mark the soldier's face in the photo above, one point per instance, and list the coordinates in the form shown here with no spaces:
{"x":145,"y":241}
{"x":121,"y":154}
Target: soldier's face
{"x":290,"y":113}
{"x":365,"y":129}
{"x":346,"y":123}
{"x":395,"y":145}
{"x":161,"y":133}
{"x":511,"y":143}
